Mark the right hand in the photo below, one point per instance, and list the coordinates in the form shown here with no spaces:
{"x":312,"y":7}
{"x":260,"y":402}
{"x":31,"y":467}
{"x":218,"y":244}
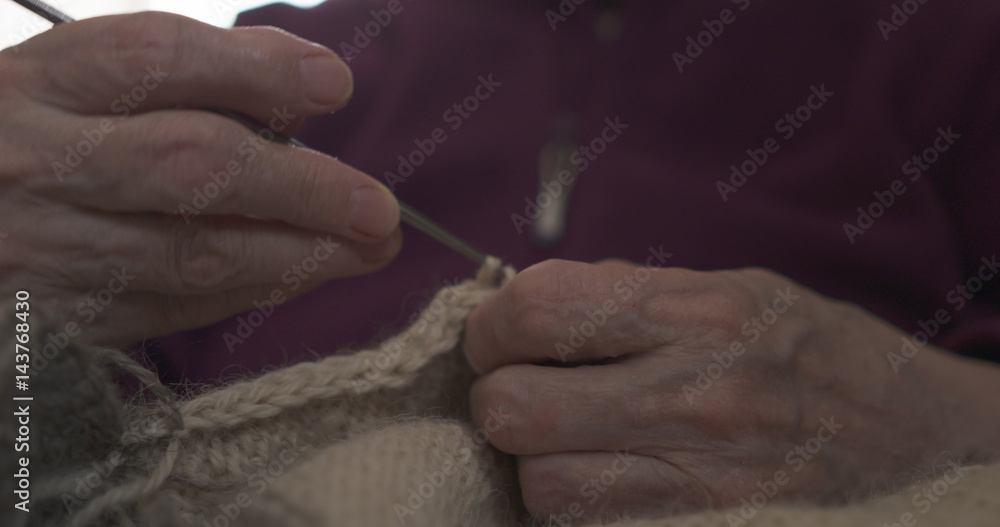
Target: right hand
{"x":105,"y":152}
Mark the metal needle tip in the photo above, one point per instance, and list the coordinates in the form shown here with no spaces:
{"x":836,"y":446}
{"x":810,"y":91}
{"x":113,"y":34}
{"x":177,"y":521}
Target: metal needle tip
{"x":428,"y":227}
{"x":45,"y":11}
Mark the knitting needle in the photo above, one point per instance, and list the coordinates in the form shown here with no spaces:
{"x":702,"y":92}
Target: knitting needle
{"x":45,"y":11}
{"x":408,"y":214}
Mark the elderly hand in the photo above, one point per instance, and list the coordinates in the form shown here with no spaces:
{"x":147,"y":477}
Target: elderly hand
{"x":627,"y":390}
{"x":126,"y":209}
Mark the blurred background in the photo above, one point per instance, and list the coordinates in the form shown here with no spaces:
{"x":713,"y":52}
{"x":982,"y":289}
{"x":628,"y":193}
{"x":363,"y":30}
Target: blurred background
{"x":18,"y":24}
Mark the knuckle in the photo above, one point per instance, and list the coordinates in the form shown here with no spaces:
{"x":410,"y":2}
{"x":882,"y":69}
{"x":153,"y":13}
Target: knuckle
{"x":148,"y":39}
{"x":725,"y":309}
{"x":284,"y":54}
{"x":185,"y":153}
{"x":307,"y":187}
{"x":503,"y":393}
{"x":722,"y":304}
{"x":546,"y":281}
{"x":200,"y":259}
{"x":540,"y":295}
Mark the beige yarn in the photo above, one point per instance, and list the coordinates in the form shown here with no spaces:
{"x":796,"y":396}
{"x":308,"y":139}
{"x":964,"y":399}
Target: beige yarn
{"x":377,"y":438}
{"x":198,"y":451}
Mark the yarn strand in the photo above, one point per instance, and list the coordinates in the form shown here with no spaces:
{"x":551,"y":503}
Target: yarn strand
{"x":194,"y":429}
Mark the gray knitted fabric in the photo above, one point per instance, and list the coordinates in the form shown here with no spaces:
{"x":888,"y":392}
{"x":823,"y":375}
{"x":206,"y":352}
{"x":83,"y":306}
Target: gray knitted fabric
{"x":381,"y":437}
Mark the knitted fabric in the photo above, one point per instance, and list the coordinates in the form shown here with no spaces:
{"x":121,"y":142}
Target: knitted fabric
{"x":381,"y":437}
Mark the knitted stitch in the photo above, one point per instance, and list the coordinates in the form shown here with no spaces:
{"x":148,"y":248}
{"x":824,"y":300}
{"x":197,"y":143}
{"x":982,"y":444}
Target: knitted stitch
{"x":378,"y":437}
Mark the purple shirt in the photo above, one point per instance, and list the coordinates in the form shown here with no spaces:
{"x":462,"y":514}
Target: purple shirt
{"x":821,"y":109}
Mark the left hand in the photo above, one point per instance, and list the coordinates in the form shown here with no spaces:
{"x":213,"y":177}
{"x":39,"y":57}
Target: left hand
{"x":628,"y":390}
{"x":132,"y":214}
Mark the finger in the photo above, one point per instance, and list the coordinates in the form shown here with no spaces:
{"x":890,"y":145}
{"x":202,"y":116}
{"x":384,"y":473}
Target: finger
{"x":529,"y":409}
{"x":193,"y":163}
{"x":214,"y":254}
{"x":648,"y":404}
{"x":573,"y":487}
{"x":121,"y":319}
{"x":576,"y":312}
{"x":161,"y":254}
{"x":126,"y":64}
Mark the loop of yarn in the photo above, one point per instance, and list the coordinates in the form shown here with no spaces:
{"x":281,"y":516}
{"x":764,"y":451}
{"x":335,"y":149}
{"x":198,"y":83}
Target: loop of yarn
{"x":194,"y":449}
{"x":379,"y":445}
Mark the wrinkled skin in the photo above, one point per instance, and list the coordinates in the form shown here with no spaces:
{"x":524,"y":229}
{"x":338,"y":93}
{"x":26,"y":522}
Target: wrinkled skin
{"x":627,"y":391}
{"x":626,"y":401}
{"x":106,"y":151}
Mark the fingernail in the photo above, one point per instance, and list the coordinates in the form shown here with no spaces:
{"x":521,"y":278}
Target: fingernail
{"x":378,"y":253}
{"x":372,"y":211}
{"x":326,"y":80}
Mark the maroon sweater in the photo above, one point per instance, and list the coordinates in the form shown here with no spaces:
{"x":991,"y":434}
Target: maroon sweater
{"x":729,"y":133}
